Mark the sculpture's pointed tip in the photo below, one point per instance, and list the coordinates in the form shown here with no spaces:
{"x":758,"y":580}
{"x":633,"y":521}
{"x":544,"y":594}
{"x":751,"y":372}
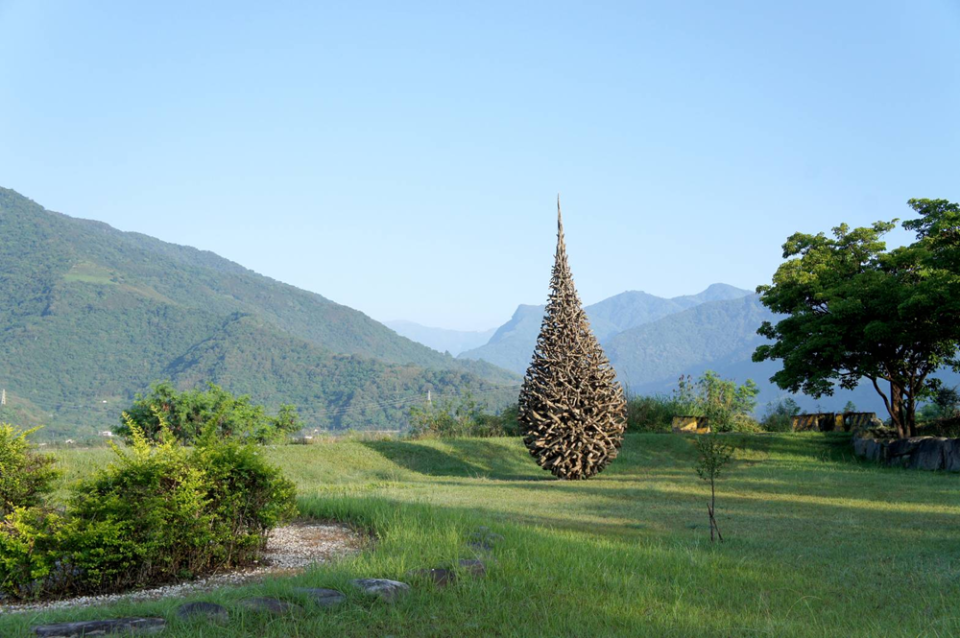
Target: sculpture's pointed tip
{"x":559,"y":215}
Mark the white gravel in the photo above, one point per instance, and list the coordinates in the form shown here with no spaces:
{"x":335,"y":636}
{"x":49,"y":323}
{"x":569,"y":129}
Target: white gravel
{"x":290,"y":549}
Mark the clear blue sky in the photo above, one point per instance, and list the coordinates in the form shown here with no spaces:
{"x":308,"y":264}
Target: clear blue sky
{"x":404,"y":158}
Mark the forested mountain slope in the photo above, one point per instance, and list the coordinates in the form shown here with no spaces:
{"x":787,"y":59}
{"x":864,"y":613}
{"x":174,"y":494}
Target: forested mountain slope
{"x":91,"y":314}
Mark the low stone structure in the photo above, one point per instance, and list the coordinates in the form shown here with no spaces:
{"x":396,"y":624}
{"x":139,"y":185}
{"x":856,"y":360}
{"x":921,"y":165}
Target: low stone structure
{"x":691,"y":424}
{"x":834,"y":421}
{"x":919,"y":452}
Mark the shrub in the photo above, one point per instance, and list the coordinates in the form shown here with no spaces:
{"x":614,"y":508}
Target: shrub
{"x":187,"y":413}
{"x":779,"y":416}
{"x":653,"y":413}
{"x":25,"y":476}
{"x":463,"y":417}
{"x":158,"y":513}
{"x":728,"y":406}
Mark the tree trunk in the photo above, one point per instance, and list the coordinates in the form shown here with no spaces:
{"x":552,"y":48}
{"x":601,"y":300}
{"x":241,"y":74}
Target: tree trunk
{"x":896,"y":409}
{"x":910,"y":415}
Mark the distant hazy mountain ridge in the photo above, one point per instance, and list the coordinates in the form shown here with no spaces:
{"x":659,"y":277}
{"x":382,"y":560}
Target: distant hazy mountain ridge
{"x":440,"y":339}
{"x":512,"y":345}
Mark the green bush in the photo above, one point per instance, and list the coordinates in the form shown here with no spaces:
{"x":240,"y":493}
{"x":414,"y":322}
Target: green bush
{"x":160,"y":512}
{"x":779,"y":416}
{"x":461,"y":417}
{"x":653,"y":413}
{"x":187,"y":413}
{"x":728,"y":406}
{"x":25,"y":476}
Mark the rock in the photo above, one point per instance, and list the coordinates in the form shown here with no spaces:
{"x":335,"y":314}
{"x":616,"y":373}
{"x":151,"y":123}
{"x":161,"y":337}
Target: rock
{"x":928,"y":455}
{"x":483,"y":534}
{"x":473,"y":566}
{"x":204,"y":610}
{"x":480,"y":546}
{"x":101,"y":627}
{"x":900,"y":450}
{"x":386,"y":590}
{"x":860,"y":447}
{"x":951,"y":456}
{"x":270,"y":605}
{"x":321,"y":596}
{"x":439,"y":575}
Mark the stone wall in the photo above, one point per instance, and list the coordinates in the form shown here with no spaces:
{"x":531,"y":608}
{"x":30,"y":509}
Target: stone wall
{"x":919,"y":453}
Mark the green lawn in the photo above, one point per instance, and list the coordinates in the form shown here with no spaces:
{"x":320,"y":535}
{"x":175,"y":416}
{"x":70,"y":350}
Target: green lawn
{"x":818,"y":544}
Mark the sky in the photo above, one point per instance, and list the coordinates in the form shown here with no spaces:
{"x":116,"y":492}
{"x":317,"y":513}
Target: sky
{"x":404,"y":159}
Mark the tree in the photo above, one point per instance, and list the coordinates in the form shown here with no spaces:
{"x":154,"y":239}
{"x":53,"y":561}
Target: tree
{"x":779,"y":415}
{"x":572,"y":409}
{"x":943,"y":404}
{"x":855,"y":310}
{"x":712,"y":456}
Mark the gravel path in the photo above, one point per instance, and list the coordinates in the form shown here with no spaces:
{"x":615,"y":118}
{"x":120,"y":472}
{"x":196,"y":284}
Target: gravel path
{"x":289,"y":550}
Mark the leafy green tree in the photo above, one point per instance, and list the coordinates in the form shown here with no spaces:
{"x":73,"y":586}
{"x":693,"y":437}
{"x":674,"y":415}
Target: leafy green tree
{"x":188,"y":413}
{"x":855,"y":310}
{"x":944,"y":404}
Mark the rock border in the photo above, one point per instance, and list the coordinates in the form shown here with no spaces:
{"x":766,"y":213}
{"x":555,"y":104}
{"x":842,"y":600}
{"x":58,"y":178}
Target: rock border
{"x":382,"y":589}
{"x":917,"y":453}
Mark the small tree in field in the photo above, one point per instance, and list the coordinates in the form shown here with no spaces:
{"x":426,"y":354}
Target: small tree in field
{"x":712,"y":456}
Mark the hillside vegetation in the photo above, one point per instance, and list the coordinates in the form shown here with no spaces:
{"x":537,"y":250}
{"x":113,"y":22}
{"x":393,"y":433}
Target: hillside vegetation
{"x":817,"y":544}
{"x":89,"y":314}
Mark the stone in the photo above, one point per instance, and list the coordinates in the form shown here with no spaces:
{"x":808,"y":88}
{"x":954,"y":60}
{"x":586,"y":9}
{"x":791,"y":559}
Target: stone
{"x":204,"y":610}
{"x":383,"y":588}
{"x":951,"y":456}
{"x":101,"y":627}
{"x":483,"y":534}
{"x":480,"y":546}
{"x":321,"y":596}
{"x":928,"y":455}
{"x":270,"y":605}
{"x":860,"y":447}
{"x":440,"y":576}
{"x":473,"y":566}
{"x":900,"y":451}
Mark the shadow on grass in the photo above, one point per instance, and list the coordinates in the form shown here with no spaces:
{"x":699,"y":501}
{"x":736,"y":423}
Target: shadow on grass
{"x":460,"y":458}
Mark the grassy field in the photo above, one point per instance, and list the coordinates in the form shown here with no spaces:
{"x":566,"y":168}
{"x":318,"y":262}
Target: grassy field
{"x":818,"y":544}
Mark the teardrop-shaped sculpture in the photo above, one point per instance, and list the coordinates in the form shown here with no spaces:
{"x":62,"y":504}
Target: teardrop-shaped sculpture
{"x":572,"y":409}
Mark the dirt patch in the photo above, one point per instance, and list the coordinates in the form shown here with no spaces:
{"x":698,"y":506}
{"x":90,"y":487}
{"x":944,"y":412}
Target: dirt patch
{"x":290,"y":549}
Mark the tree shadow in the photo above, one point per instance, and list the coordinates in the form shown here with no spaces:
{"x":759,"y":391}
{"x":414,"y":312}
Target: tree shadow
{"x":459,"y":458}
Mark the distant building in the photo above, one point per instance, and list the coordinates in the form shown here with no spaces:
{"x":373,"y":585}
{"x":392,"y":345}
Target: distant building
{"x":106,"y":433}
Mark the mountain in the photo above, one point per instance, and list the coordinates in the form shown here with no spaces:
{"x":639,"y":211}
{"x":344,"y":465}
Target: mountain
{"x":512,"y":344}
{"x":441,"y":339}
{"x":714,"y":333}
{"x":719,"y":336}
{"x":90,"y":315}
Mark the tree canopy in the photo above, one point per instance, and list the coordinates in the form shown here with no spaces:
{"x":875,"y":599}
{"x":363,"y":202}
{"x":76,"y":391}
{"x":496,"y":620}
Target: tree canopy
{"x":188,"y":413}
{"x":856,"y":310}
